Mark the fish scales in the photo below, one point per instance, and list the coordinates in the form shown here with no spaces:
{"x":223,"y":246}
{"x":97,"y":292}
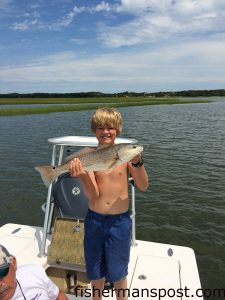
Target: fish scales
{"x":97,"y":160}
{"x":94,"y":161}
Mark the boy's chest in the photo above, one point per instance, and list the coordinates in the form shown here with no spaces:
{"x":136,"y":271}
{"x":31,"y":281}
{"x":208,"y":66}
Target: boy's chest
{"x":115,"y":175}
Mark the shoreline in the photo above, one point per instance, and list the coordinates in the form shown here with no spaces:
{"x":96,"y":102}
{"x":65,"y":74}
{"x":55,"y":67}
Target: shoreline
{"x":93,"y":103}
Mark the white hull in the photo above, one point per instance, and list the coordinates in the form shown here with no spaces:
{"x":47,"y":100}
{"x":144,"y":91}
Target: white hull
{"x":148,"y":260}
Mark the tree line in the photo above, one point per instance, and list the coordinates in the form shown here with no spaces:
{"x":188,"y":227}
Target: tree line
{"x":187,"y":93}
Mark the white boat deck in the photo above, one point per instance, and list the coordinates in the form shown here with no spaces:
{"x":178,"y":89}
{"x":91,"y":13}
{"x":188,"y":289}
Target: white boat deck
{"x":151,"y":269}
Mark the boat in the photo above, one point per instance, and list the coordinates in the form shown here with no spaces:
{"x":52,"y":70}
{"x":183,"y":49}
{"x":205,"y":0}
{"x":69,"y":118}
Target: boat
{"x":156,"y":270}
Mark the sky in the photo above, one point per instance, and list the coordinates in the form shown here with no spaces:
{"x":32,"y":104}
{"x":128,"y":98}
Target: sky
{"x":111,"y":46}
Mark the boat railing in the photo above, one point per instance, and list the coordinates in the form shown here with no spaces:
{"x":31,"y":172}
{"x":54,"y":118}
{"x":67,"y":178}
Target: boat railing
{"x":58,"y":146}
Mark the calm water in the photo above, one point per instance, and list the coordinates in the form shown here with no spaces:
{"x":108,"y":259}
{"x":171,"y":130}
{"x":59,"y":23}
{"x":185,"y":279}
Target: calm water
{"x":184,"y":148}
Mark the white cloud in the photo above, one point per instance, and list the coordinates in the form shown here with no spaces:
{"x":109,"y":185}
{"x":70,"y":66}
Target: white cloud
{"x":158,"y":20}
{"x":135,"y":6}
{"x":151,"y":19}
{"x":25,"y":25}
{"x":62,"y":22}
{"x":33,"y":21}
{"x":103,"y":6}
{"x":193,"y":62}
{"x":176,"y":43}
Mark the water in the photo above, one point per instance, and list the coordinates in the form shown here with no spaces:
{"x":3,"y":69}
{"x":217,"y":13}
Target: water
{"x":184,"y":150}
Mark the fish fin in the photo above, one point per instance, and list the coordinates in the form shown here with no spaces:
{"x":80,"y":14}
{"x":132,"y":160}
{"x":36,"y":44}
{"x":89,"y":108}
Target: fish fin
{"x":48,"y":174}
{"x":119,"y":162}
{"x":83,"y":151}
{"x":113,"y":164}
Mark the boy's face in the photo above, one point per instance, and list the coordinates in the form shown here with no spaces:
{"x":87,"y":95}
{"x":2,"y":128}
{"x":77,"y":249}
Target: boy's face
{"x":105,"y":135}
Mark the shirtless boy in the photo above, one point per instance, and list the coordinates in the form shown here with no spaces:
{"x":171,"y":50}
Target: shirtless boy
{"x":108,"y":224}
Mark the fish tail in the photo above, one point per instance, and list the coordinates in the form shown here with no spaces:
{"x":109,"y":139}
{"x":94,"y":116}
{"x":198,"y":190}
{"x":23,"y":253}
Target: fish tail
{"x":48,"y":174}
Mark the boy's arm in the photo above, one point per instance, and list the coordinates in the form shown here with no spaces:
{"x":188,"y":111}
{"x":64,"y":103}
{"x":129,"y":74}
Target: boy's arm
{"x":139,"y":174}
{"x":87,"y":179}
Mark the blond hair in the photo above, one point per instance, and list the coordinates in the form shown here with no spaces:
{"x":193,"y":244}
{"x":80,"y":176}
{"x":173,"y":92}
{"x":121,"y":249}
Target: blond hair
{"x":109,"y":117}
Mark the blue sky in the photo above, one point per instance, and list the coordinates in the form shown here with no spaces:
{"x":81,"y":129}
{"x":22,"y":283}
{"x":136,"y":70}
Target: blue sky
{"x":111,"y":46}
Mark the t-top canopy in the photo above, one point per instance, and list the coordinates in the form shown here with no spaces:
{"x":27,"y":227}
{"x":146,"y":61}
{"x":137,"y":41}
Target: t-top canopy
{"x":84,"y":141}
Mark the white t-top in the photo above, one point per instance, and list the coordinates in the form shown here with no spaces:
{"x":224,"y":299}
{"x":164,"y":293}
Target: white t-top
{"x":35,"y":284}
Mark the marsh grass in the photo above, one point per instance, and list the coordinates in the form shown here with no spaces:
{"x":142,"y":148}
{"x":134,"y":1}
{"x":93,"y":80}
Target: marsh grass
{"x":14,"y":101}
{"x":85,"y":104}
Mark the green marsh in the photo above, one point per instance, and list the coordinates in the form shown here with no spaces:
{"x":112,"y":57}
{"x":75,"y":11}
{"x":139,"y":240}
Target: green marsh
{"x":81,"y":104}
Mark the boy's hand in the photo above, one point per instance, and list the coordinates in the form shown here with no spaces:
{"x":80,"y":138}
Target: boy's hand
{"x":76,"y":168}
{"x":136,"y":159}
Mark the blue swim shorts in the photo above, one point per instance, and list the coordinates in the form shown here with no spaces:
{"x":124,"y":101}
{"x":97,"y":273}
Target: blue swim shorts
{"x":107,"y":240}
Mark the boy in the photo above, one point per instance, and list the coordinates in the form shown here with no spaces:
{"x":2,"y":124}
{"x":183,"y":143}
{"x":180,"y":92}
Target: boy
{"x":108,"y":224}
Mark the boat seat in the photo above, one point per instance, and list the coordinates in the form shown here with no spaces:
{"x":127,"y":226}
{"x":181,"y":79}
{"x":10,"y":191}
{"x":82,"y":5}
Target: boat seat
{"x":69,"y":197}
{"x":66,"y":249}
{"x":72,"y":205}
{"x":68,"y":234}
